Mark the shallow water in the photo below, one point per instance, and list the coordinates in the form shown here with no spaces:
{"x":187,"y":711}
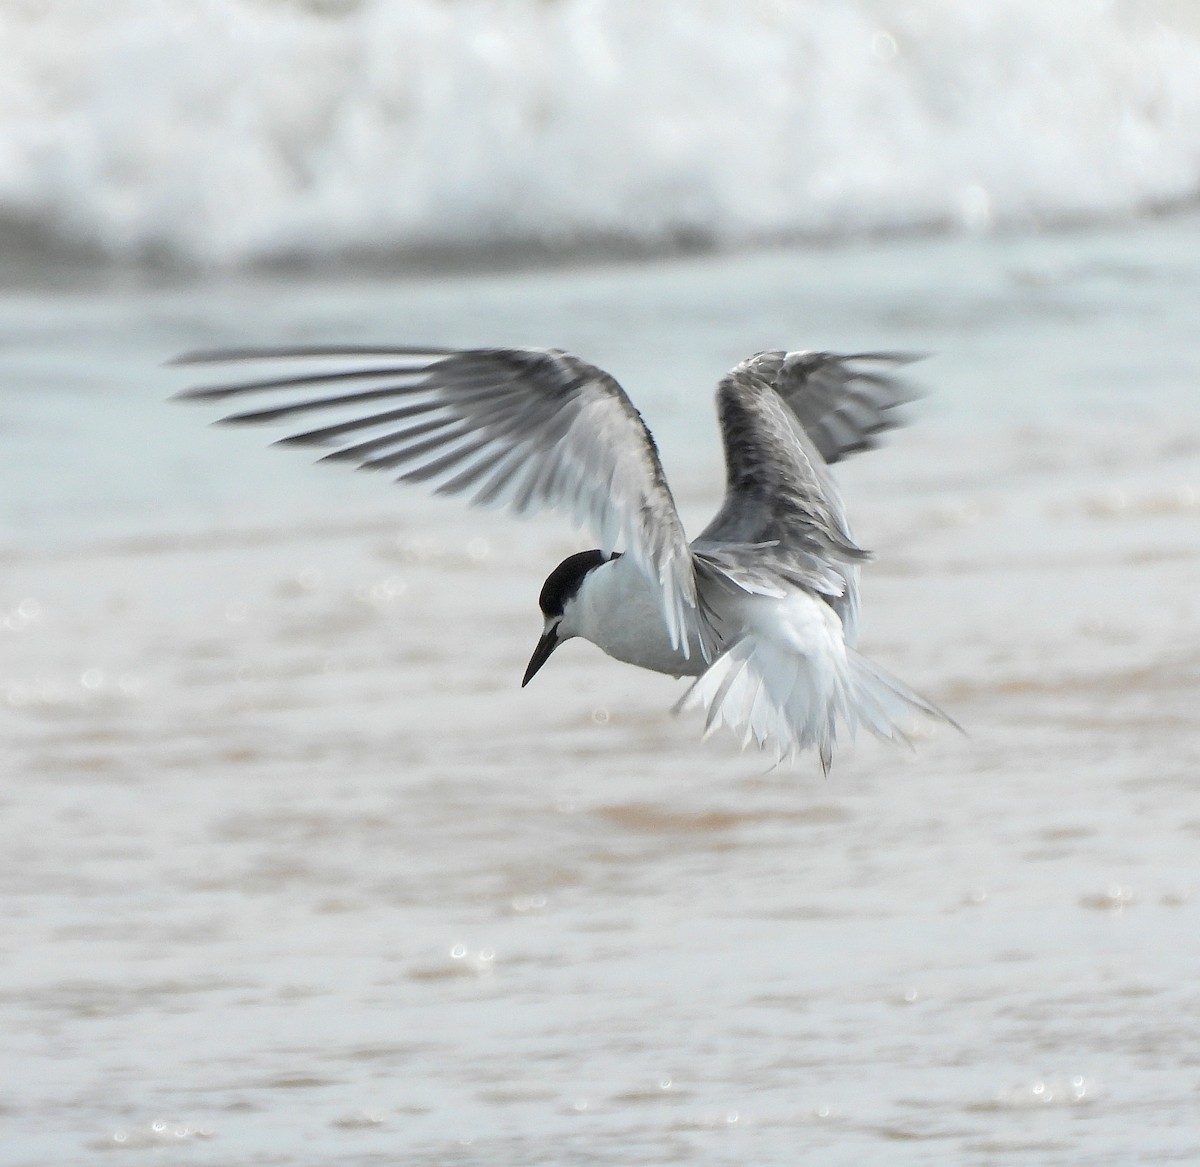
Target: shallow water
{"x":292,"y":869}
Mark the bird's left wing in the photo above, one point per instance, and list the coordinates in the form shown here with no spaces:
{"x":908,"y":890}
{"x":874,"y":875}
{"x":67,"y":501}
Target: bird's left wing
{"x":844,"y":401}
{"x":779,"y":497}
{"x":785,"y":416}
{"x":527,"y":429}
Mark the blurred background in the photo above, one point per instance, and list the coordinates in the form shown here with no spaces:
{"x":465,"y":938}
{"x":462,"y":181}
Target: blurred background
{"x":292,"y":869}
{"x":224,"y":134}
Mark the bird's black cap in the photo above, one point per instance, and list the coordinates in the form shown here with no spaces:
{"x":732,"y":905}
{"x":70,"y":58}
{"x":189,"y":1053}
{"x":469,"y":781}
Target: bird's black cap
{"x":563,"y":582}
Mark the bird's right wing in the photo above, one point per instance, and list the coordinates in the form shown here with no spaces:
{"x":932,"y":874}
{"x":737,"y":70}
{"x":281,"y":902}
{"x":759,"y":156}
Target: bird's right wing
{"x":528,"y":429}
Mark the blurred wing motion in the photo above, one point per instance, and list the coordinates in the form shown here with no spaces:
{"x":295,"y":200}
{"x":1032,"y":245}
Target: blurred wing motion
{"x":528,"y":429}
{"x":842,"y":405}
{"x":781,"y":502}
{"x":793,"y":676}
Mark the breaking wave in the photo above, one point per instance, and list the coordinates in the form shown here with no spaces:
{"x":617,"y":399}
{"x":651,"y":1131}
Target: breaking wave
{"x":228,"y":132}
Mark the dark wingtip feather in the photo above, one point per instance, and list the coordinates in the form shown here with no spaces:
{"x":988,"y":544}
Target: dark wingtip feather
{"x":902,"y":357}
{"x":345,"y":454}
{"x":255,"y":417}
{"x":312,"y":438}
{"x":218,"y":356}
{"x":210,"y":392}
{"x":242,"y":419}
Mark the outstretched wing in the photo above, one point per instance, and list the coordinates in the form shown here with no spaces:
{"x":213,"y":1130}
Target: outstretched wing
{"x":777,"y":493}
{"x":784,"y":417}
{"x":843,"y":401}
{"x":528,"y":429}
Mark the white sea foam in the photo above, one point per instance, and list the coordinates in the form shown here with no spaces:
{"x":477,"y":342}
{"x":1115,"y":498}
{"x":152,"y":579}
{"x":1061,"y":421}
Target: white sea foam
{"x":234,"y":130}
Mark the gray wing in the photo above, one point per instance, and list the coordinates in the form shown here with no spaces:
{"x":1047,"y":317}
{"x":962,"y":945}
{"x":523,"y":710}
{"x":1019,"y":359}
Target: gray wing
{"x":528,"y":429}
{"x":843,"y":401}
{"x":777,"y":490}
{"x":784,"y":417}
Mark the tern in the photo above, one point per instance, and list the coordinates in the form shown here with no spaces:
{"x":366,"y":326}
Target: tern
{"x":762,"y":609}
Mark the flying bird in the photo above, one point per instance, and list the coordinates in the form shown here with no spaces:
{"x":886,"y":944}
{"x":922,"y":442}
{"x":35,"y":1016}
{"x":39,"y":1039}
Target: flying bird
{"x":761,"y":608}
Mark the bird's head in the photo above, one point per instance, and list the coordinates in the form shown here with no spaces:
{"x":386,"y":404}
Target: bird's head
{"x":559,"y":593}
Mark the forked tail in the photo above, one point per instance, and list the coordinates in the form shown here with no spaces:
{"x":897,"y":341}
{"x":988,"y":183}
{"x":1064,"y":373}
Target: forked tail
{"x":771,"y":693}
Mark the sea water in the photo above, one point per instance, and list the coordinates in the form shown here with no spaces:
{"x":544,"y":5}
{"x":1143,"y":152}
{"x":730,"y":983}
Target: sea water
{"x":294,"y":871}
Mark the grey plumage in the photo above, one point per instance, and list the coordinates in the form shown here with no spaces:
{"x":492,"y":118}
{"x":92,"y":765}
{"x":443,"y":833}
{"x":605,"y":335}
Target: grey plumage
{"x":784,"y":418}
{"x":842,"y":401}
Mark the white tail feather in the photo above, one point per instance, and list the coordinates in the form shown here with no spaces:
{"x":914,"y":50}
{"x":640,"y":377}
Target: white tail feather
{"x":769,"y":691}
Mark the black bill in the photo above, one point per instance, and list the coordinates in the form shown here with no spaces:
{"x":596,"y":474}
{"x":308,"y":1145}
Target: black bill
{"x":541,"y":654}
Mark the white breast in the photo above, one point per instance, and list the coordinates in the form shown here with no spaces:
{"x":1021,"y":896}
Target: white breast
{"x":620,"y":611}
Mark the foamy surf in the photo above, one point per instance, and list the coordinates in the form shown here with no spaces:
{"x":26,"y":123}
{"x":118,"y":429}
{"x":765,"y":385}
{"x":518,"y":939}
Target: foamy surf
{"x":235,"y":131}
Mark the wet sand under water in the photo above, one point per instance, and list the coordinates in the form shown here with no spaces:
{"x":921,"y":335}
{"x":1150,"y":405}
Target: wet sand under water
{"x":293,"y":870}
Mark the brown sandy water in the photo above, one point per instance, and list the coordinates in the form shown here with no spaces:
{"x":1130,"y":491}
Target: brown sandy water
{"x":293,"y":871}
